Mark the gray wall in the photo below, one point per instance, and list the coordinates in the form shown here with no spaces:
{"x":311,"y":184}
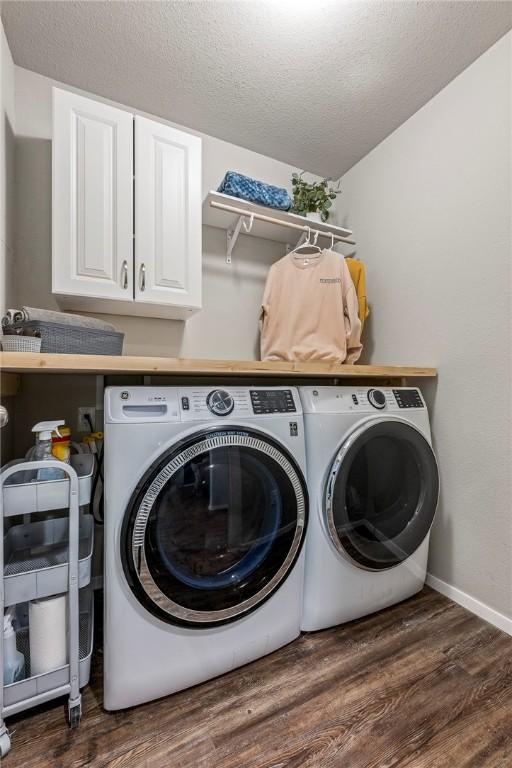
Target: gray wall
{"x":7,"y":200}
{"x":7,"y":172}
{"x":431,"y":206}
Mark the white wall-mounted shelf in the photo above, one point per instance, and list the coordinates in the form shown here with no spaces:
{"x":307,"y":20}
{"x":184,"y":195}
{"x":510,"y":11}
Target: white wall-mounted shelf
{"x":240,"y":217}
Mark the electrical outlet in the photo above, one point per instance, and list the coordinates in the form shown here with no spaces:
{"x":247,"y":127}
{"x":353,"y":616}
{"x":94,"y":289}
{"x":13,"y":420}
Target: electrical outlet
{"x":83,"y":423}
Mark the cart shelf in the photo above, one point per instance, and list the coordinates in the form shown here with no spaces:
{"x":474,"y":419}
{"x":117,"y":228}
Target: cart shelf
{"x":35,"y":690}
{"x":31,"y":495}
{"x":36,"y":559}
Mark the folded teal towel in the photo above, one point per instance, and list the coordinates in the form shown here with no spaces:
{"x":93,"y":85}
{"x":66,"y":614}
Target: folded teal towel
{"x":254,"y":191}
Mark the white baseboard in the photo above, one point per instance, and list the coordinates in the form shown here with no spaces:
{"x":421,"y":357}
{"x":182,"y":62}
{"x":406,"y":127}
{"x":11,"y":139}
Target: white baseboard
{"x":494,"y":617}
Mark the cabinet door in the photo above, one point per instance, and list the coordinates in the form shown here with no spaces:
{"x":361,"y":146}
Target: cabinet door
{"x":167,"y":215}
{"x":92,"y":198}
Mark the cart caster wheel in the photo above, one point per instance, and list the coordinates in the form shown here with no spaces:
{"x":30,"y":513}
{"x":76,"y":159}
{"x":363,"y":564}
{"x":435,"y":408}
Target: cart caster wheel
{"x":74,"y":716}
{"x":5,"y":744}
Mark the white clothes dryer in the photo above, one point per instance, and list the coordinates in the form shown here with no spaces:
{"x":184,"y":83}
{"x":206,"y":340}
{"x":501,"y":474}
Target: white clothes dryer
{"x":373,"y":485}
{"x":205,"y":515}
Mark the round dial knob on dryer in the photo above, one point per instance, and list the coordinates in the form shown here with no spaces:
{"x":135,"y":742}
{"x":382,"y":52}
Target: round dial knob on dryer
{"x":220,"y":402}
{"x":377,"y":398}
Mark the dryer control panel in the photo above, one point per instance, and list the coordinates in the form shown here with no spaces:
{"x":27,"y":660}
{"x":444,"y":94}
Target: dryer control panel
{"x":360,"y":399}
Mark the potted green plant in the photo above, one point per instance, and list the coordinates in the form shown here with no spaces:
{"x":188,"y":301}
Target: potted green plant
{"x":314,"y":199}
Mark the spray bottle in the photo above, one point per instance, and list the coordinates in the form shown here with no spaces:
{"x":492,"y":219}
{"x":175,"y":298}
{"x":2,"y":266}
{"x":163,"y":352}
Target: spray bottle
{"x":14,"y":660}
{"x":43,"y":448}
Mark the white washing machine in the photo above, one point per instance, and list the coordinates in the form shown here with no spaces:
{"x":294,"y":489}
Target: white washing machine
{"x":373,"y":486}
{"x":205,"y":515}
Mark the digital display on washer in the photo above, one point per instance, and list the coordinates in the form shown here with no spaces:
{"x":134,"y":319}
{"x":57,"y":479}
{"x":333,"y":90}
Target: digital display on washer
{"x":272,"y":401}
{"x":408,"y":398}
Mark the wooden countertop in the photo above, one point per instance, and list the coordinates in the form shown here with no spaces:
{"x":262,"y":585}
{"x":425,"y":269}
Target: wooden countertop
{"x":33,"y":362}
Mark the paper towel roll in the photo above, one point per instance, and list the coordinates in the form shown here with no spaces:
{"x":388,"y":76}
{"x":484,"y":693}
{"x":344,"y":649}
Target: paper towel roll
{"x":47,"y":633}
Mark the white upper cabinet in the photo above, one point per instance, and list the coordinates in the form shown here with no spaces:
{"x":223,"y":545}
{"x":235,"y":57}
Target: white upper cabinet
{"x":92,"y":198}
{"x":126,"y":212}
{"x":167,"y":215}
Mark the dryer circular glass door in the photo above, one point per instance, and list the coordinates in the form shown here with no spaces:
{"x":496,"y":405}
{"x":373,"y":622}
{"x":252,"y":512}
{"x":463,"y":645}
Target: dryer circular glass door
{"x":214,"y":527}
{"x":382,"y":494}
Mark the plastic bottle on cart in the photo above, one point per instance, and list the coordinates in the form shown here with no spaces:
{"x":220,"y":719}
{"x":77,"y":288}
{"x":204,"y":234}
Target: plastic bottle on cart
{"x":14,"y":660}
{"x":61,"y":444}
{"x":43,"y":448}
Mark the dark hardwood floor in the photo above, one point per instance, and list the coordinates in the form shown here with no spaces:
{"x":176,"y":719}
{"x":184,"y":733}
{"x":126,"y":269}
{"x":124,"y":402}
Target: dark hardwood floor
{"x":424,"y":684}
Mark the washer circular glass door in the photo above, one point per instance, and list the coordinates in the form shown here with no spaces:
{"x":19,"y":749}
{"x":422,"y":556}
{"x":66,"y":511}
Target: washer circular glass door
{"x":214,"y":527}
{"x":382,"y":494}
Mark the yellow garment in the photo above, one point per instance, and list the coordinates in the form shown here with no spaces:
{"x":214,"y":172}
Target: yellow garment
{"x":357,"y":273}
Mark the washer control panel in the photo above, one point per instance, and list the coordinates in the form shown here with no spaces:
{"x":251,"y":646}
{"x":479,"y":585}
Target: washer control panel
{"x":188,"y":404}
{"x":272,"y":401}
{"x":228,"y":403}
{"x":220,"y":402}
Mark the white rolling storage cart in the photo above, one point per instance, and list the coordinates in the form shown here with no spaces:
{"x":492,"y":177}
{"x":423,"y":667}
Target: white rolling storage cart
{"x":41,"y":557}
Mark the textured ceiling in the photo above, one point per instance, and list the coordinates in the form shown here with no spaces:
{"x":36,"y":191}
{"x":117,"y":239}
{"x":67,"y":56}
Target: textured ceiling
{"x":315,"y":84}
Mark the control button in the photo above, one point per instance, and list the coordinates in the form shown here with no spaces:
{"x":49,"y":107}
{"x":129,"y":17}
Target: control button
{"x":185,"y":403}
{"x":220,"y":402}
{"x":376,"y":398}
{"x":355,"y":400}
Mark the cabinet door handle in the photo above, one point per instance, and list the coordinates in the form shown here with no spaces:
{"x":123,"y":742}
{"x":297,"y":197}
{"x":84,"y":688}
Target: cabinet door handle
{"x":142,"y":277}
{"x":124,"y":275}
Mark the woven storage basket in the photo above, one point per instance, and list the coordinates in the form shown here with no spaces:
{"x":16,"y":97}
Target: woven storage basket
{"x":75,"y":340}
{"x":20,"y":343}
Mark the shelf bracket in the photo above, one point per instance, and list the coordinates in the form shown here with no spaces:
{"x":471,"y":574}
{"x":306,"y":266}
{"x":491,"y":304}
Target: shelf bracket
{"x":232,"y":234}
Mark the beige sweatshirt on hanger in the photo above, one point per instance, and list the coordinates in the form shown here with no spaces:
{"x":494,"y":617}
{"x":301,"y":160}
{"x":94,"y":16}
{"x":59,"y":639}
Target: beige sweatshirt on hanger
{"x":310,"y":310}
